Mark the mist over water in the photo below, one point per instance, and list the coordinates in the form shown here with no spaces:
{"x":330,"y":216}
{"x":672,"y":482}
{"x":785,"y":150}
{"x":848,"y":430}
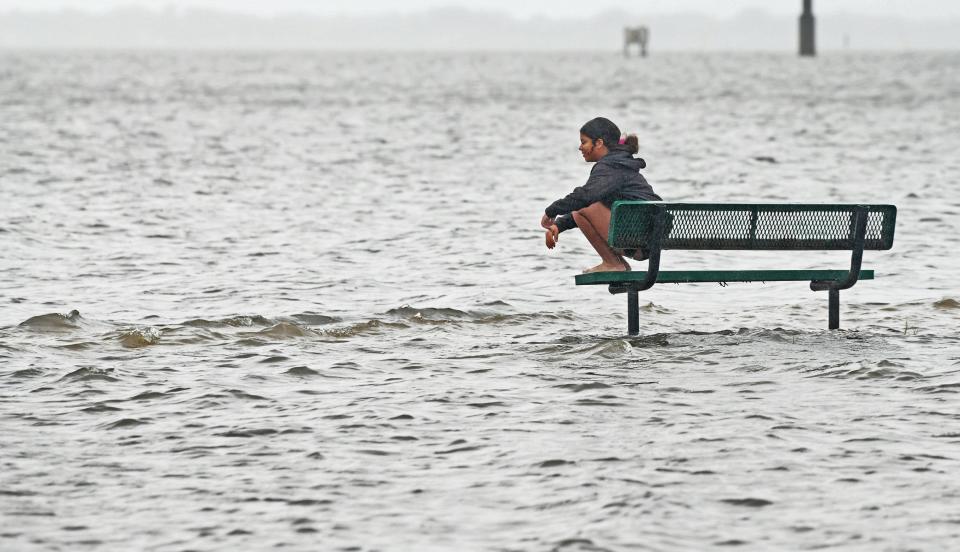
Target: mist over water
{"x":302,"y":300}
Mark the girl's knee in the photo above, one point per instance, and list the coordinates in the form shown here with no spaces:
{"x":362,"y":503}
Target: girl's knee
{"x":590,"y":210}
{"x":594,"y":208}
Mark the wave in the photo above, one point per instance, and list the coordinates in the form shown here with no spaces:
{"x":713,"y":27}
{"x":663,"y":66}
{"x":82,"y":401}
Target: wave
{"x":864,"y":370}
{"x":447,"y":315}
{"x":281,"y":326}
{"x":87,"y":373}
{"x":314,"y":319}
{"x":139,"y":337}
{"x":126,"y":423}
{"x":361,"y":328}
{"x":238,"y":321}
{"x":302,"y":371}
{"x":431,"y":314}
{"x":285,"y":329}
{"x":700,"y":346}
{"x":55,"y":322}
{"x":947,"y":304}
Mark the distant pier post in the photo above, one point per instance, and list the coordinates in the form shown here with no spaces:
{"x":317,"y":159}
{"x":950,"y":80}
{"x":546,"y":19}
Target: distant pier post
{"x":636,"y":35}
{"x":808,"y":33}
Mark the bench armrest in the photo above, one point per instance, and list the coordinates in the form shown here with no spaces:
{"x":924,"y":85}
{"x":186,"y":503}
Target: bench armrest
{"x":856,"y":259}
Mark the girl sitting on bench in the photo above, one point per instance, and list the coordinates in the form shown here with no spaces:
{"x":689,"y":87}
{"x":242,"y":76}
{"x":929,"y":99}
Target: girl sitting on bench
{"x":615,"y":176}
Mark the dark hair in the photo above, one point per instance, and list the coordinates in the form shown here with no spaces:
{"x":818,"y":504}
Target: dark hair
{"x":631,"y":144}
{"x":602,"y":128}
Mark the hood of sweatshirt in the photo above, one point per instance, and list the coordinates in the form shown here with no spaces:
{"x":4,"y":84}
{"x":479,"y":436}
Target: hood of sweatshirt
{"x":622,"y":159}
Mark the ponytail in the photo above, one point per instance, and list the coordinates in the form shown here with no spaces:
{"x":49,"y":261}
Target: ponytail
{"x":632,"y":143}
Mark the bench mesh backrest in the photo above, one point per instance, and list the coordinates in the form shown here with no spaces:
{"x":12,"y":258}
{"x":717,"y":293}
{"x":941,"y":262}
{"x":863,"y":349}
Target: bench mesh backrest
{"x":750,"y":226}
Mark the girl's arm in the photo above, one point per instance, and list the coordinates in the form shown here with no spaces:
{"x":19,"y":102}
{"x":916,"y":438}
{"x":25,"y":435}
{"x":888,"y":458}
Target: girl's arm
{"x":564,"y":222}
{"x":601,"y":185}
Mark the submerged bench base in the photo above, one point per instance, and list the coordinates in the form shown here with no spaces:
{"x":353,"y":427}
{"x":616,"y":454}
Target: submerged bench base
{"x":628,"y":282}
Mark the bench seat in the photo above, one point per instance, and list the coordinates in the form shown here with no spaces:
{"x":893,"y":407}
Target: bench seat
{"x":695,"y":276}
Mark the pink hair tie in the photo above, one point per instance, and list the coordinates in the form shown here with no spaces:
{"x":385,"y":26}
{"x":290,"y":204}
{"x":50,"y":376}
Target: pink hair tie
{"x":623,"y":140}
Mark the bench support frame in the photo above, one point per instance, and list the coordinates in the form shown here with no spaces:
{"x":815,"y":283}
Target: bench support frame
{"x":633,"y":312}
{"x":832,"y":287}
{"x":653,"y":270}
{"x":833,"y":322}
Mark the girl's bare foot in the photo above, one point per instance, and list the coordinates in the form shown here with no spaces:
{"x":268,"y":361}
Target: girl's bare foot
{"x":604,"y":267}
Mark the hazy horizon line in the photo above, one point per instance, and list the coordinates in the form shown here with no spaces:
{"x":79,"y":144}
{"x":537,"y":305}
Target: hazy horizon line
{"x":456,"y":28}
{"x":826,"y":52}
{"x":182,"y":11}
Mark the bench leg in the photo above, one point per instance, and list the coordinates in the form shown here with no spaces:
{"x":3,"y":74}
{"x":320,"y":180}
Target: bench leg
{"x":633,"y":312}
{"x":834,"y":301}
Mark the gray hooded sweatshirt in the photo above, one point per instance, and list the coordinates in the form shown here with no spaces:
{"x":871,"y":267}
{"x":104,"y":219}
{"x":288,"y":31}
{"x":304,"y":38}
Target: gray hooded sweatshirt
{"x":616,"y":176}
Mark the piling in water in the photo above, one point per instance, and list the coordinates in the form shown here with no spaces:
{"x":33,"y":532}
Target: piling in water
{"x":807,"y":30}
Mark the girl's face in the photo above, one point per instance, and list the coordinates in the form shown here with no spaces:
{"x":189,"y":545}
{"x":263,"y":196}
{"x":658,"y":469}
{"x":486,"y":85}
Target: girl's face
{"x":591,"y":150}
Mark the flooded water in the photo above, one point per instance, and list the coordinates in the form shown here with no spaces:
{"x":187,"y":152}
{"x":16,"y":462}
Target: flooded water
{"x":302,"y":301}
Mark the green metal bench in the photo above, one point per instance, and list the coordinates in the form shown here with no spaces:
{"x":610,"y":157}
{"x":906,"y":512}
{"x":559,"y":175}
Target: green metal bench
{"x":655,"y":226}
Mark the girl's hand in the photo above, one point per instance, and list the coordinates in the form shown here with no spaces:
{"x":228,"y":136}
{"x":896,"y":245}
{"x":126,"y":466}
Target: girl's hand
{"x":546,"y":221}
{"x":552,"y":236}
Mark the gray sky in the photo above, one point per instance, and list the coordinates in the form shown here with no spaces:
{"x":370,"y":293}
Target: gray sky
{"x":524,"y":8}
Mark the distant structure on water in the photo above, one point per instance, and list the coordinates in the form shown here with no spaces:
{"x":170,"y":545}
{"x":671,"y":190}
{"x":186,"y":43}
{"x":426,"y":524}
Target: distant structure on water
{"x":807,"y":30}
{"x":636,"y":35}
